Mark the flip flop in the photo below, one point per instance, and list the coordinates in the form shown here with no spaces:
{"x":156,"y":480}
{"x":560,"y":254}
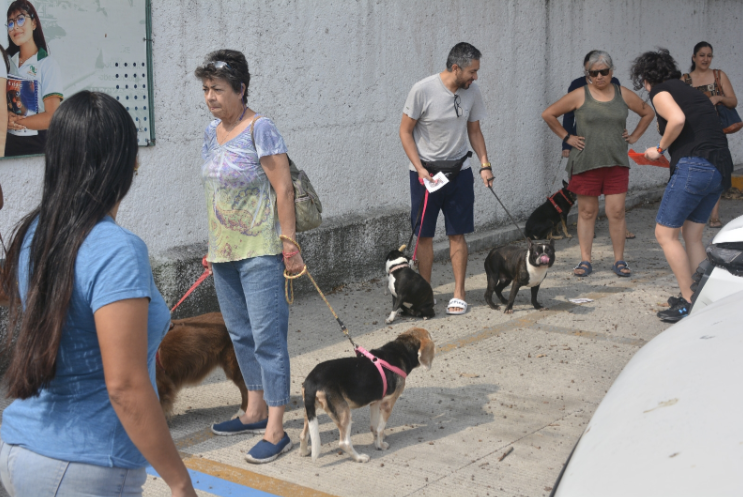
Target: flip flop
{"x":617,"y":268}
{"x":456,"y":303}
{"x":585,"y":266}
{"x":629,"y":235}
{"x":715,"y":224}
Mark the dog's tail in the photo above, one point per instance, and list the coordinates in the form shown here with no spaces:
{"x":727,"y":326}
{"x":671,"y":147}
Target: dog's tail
{"x":310,"y":396}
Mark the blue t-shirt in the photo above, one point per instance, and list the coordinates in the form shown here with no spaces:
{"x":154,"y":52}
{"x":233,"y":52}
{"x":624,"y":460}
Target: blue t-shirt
{"x":72,"y":418}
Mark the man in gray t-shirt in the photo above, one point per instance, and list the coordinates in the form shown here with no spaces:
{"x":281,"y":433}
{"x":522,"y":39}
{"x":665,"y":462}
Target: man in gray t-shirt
{"x":442,"y":114}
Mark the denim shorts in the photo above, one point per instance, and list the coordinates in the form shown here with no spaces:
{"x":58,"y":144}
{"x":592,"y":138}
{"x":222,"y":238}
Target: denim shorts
{"x":456,"y":200}
{"x":24,"y":472}
{"x":251,"y":298}
{"x":691,"y":194}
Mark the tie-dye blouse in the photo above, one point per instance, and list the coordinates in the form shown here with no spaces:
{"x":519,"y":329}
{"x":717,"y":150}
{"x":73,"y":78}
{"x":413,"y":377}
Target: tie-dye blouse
{"x":241,"y":203}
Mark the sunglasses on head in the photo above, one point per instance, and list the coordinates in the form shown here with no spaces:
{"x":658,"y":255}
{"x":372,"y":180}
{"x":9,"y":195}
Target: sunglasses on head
{"x":220,"y":64}
{"x":603,"y":72}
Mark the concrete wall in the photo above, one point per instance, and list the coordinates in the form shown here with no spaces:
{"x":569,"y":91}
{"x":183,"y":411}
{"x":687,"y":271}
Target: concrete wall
{"x":334,"y":76}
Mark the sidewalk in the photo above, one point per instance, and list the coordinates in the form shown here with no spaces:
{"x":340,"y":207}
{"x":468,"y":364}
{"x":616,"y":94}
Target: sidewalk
{"x":528,"y":381}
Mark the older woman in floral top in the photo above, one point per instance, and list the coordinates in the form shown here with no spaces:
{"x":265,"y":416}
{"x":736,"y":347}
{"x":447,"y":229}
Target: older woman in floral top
{"x":250,"y":201}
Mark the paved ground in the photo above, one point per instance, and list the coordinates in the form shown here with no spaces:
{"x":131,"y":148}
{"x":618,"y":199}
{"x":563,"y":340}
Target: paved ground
{"x":528,"y":381}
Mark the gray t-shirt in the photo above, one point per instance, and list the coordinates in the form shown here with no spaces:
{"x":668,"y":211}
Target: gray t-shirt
{"x":439,"y":134}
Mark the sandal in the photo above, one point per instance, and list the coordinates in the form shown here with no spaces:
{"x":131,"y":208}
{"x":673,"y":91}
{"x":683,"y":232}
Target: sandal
{"x":715,"y":223}
{"x":456,"y":304}
{"x":584,"y":266}
{"x":629,"y":235}
{"x":619,"y":266}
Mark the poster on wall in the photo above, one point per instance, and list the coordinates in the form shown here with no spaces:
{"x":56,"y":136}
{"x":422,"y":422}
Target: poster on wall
{"x":56,"y":48}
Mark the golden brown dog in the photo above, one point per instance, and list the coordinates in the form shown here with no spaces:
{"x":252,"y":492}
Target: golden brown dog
{"x":349,"y":383}
{"x":191,"y":350}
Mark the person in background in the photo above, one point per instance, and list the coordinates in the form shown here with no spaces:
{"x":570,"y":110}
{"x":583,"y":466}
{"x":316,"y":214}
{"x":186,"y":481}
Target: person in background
{"x":250,"y":204}
{"x":568,"y":120}
{"x":86,"y":419}
{"x":701,"y":167}
{"x":598,"y":162}
{"x":441,"y":117}
{"x":30,"y":61}
{"x":701,"y":77}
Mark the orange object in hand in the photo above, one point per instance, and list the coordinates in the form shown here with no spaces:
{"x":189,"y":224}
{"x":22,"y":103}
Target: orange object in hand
{"x":641,"y":160}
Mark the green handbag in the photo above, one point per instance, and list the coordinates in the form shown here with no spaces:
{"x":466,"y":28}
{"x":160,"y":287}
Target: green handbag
{"x":307,"y":205}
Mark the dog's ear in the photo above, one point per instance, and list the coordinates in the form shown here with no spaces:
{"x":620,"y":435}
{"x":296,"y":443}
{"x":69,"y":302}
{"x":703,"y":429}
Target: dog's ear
{"x":426,"y":347}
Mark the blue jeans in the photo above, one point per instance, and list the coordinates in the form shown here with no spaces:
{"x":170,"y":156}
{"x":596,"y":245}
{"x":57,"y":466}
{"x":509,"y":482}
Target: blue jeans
{"x":691,"y":194}
{"x":24,"y":472}
{"x":251,"y":298}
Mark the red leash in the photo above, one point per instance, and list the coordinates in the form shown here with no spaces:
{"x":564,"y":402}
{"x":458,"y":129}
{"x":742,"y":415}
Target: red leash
{"x":201,"y":279}
{"x":423,"y":215}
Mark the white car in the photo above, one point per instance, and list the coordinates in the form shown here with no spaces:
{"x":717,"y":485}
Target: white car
{"x":671,"y":423}
{"x":721,"y":274}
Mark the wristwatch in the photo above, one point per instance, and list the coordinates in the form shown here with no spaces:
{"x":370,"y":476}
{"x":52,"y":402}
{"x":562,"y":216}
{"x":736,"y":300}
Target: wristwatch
{"x":565,"y":140}
{"x":660,"y":150}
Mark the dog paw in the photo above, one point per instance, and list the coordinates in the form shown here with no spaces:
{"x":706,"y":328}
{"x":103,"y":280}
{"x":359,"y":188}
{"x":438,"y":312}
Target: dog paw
{"x":382,"y":446}
{"x":362,"y":458}
{"x":508,"y":311}
{"x":304,"y":452}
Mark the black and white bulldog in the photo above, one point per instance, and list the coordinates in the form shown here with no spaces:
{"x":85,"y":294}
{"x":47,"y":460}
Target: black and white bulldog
{"x":524,"y":266}
{"x":411,"y":293}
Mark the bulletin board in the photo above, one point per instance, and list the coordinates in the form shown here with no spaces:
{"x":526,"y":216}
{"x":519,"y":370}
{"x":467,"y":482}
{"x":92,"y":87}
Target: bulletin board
{"x":98,"y":45}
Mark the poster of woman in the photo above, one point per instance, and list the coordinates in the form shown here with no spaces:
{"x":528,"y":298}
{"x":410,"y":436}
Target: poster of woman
{"x":56,"y":48}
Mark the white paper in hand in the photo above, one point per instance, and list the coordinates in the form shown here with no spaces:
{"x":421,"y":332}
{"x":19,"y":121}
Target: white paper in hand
{"x":441,"y":181}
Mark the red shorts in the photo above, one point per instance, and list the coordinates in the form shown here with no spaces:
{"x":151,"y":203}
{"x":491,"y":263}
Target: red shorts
{"x":604,"y":180}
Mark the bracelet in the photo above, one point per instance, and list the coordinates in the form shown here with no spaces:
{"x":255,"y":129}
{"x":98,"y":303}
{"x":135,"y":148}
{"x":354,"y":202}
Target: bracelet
{"x":485,"y":165}
{"x":290,"y":254}
{"x":660,"y":150}
{"x":567,"y":137}
{"x":486,"y":168}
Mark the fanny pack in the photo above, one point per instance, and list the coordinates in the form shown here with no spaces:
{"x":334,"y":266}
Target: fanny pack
{"x":450,"y":168}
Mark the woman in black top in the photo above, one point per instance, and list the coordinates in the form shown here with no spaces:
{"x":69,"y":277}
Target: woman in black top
{"x":701,"y":166}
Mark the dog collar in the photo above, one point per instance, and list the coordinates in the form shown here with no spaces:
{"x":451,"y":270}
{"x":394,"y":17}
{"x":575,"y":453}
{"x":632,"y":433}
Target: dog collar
{"x":399,"y":266}
{"x":380,"y":363}
{"x":554,"y":204}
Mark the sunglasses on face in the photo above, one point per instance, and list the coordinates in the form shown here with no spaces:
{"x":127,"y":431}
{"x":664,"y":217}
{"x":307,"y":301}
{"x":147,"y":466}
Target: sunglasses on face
{"x":18,"y":21}
{"x":603,"y":72}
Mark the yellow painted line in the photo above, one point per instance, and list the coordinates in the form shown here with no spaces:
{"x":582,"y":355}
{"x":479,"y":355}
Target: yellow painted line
{"x":194,"y":439}
{"x":737,"y":180}
{"x":248,"y":478}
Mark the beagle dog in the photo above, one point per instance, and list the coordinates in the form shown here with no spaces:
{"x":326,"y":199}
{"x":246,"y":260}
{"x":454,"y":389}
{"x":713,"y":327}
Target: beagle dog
{"x":352,"y":382}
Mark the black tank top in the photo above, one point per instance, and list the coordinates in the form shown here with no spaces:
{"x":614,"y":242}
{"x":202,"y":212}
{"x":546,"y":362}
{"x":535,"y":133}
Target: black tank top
{"x":702,"y":134}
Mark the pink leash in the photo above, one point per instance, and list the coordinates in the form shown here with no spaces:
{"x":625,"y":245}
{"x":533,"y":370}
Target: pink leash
{"x":201,"y":279}
{"x":423,"y":215}
{"x":380,"y":363}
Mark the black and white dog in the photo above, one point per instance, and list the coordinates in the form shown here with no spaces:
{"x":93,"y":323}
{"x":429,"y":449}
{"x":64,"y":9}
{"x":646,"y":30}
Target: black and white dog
{"x":525,"y":266}
{"x":410,"y":292}
{"x":550,"y":215}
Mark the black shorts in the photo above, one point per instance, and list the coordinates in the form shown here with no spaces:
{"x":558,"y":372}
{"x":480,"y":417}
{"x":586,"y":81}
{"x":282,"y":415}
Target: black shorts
{"x":456,"y":200}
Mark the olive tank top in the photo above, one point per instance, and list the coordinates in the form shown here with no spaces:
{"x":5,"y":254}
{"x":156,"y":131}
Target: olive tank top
{"x":602,"y":125}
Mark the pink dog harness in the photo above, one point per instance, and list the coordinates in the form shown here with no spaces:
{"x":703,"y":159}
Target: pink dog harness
{"x":380,"y":363}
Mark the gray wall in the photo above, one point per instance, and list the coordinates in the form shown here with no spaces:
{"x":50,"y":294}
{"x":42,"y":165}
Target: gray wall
{"x":334,"y":76}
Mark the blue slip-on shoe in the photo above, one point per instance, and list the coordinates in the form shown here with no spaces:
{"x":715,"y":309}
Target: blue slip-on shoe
{"x":264,"y":451}
{"x":236,"y":427}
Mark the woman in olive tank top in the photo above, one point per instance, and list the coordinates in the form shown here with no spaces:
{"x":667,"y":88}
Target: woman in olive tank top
{"x":598,"y":163}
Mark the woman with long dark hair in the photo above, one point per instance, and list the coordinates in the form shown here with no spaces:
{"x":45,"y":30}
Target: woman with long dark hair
{"x":30,"y":62}
{"x":88,"y":320}
{"x":715,"y":84}
{"x":701,"y":167}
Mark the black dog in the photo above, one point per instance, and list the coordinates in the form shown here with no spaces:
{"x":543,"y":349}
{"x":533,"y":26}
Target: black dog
{"x":410,"y":291}
{"x":340,"y":385}
{"x":545,"y":218}
{"x":524,"y":266}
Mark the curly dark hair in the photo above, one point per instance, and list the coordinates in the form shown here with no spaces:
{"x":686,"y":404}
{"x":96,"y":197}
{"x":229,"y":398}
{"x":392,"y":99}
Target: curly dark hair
{"x":235,"y":71}
{"x":653,"y":67}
